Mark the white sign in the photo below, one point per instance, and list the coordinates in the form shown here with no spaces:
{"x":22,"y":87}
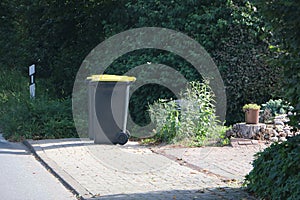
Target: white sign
{"x":32,"y":90}
{"x":31,"y":70}
{"x":32,"y":81}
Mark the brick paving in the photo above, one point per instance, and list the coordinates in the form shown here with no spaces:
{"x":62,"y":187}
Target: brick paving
{"x":138,"y":172}
{"x":228,"y":163}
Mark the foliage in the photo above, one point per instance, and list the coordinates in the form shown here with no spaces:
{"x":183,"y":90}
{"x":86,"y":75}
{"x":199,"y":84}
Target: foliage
{"x":277,"y":107}
{"x":230,"y":31}
{"x":56,"y":36}
{"x":276,"y":171}
{"x":283,"y":24}
{"x":39,"y":118}
{"x":166,"y":117}
{"x":251,"y":106}
{"x":190,"y":120}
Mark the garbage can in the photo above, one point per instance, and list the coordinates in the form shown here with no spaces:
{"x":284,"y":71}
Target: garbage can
{"x":108,"y":108}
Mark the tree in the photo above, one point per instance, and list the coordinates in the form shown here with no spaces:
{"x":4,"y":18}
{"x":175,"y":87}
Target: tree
{"x":230,"y":31}
{"x":57,"y":35}
{"x":54,"y":35}
{"x":282,"y":17}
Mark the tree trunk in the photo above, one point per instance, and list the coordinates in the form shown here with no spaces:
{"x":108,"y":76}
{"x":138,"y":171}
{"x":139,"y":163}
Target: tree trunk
{"x":249,"y":131}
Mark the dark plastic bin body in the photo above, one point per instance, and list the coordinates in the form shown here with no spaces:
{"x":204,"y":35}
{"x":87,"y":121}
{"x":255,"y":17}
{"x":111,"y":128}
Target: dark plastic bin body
{"x":108,"y":110}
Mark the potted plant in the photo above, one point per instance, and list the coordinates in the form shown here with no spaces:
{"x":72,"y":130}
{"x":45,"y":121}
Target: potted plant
{"x":251,"y":113}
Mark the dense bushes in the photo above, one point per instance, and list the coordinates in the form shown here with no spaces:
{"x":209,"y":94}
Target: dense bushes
{"x":230,"y":32}
{"x":281,"y":20}
{"x":57,"y":36}
{"x":276,"y":171}
{"x":22,"y":117}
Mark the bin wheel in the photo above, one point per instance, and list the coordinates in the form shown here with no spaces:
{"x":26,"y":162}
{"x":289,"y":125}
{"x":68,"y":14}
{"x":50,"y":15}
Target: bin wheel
{"x":122,"y":138}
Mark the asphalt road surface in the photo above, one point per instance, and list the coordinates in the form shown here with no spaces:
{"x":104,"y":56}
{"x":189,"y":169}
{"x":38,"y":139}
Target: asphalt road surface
{"x":22,"y":177}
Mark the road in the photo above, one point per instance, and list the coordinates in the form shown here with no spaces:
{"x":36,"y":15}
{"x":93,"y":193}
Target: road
{"x":22,"y":177}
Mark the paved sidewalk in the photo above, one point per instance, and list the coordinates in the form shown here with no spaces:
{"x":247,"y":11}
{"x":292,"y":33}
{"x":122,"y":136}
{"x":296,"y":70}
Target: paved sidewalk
{"x":228,"y":163}
{"x":138,"y":172}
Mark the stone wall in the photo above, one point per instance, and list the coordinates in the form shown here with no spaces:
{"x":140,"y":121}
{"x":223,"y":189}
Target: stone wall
{"x":278,"y":131}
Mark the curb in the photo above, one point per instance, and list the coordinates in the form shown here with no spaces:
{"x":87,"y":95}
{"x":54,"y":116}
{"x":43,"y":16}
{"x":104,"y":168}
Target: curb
{"x":68,"y":182}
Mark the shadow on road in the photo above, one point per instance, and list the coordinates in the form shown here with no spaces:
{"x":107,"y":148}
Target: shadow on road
{"x":206,"y":193}
{"x":13,"y":148}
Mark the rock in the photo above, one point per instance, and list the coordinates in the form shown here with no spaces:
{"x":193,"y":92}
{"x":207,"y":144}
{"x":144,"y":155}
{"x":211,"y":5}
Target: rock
{"x":274,"y":139}
{"x":280,"y":116}
{"x":290,"y":134}
{"x":287,"y":129}
{"x":279,"y":128}
{"x":278,"y":122}
{"x":267,"y":136}
{"x":282,"y":139}
{"x":283,"y":118}
{"x":282,"y":134}
{"x":269,"y":125}
{"x":269,"y":131}
{"x":274,"y":133}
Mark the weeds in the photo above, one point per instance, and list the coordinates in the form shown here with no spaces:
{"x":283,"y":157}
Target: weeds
{"x":39,"y":118}
{"x":190,"y":121}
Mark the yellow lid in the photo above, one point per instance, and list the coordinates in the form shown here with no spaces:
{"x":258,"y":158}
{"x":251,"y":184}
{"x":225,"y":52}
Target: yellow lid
{"x":113,"y":78}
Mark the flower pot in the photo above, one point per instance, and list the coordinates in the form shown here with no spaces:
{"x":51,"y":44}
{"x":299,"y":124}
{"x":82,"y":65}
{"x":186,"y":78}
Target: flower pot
{"x":252,"y":116}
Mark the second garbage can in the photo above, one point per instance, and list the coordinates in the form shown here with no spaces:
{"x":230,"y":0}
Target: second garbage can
{"x":108,"y":108}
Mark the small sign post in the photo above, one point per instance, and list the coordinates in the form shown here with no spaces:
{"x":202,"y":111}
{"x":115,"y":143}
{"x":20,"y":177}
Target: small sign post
{"x":32,"y":81}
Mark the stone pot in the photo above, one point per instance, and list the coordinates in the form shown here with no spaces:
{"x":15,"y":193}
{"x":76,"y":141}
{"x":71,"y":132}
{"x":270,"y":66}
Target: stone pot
{"x":252,"y":116}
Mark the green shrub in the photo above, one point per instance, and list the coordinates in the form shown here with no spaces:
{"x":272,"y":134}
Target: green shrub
{"x":166,"y":117}
{"x":277,"y":107}
{"x":192,"y":122}
{"x":276,"y":171}
{"x":39,"y":118}
{"x":251,"y":106}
